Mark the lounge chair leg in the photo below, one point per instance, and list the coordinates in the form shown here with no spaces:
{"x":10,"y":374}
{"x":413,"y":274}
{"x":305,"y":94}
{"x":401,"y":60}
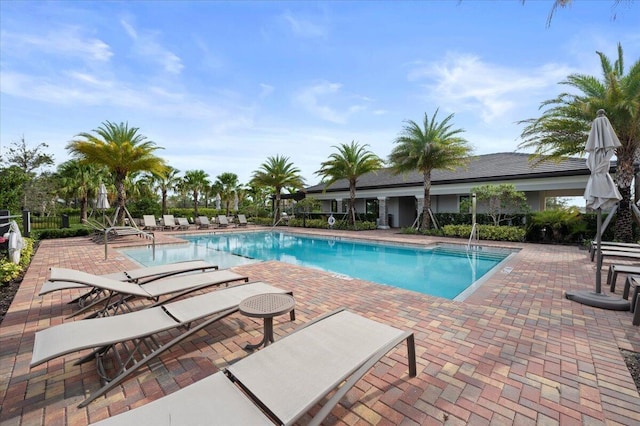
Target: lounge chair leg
{"x":612,"y":276}
{"x":144,"y":361}
{"x":636,"y":313}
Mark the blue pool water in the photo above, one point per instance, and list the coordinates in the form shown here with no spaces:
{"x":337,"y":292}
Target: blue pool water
{"x":444,"y":271}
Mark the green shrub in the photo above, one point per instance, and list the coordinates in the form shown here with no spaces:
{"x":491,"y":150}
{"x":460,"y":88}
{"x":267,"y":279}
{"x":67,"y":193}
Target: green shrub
{"x":558,"y":226}
{"x":9,"y":271}
{"x":486,"y":232}
{"x":62,"y":233}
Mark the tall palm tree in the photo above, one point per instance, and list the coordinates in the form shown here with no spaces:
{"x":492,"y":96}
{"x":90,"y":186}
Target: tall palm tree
{"x":122,"y":150}
{"x":81,"y":181}
{"x":350,"y":162}
{"x":228,"y":186}
{"x":164,"y":182}
{"x":436,"y":145}
{"x":196,"y":181}
{"x":277,"y":173}
{"x":563,"y":128}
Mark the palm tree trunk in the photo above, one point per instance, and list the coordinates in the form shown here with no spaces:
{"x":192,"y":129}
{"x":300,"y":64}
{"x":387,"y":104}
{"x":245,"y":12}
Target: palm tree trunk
{"x":276,"y":208}
{"x":195,"y":203}
{"x":121,"y":201}
{"x":426,"y":217}
{"x":352,"y":204}
{"x":624,"y":218}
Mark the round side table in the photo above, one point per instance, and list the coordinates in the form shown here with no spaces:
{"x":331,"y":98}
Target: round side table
{"x":266,"y":306}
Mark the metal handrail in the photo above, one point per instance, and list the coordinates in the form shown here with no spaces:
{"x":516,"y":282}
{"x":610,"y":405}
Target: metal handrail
{"x":474,"y":232}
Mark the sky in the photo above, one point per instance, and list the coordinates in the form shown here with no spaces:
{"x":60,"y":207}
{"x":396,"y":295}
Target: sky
{"x":222,"y":86}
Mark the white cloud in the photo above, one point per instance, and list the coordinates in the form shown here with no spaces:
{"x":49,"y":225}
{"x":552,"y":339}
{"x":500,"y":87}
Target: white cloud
{"x":325,"y":100}
{"x":267,"y":90}
{"x":305,"y":28}
{"x":146,"y":46}
{"x":65,"y":41}
{"x":465,"y":82}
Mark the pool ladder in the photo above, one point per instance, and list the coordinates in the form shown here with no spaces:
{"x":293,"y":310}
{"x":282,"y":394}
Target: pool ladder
{"x":472,"y":237}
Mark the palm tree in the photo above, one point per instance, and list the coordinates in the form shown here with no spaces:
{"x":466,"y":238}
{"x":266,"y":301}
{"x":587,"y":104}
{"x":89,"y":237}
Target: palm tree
{"x":435,"y":146}
{"x":277,"y":173}
{"x":196,"y":181}
{"x":228,"y":187}
{"x":164,"y":182}
{"x":80,"y":181}
{"x":122,"y":150}
{"x":350,"y":162}
{"x":563,"y":128}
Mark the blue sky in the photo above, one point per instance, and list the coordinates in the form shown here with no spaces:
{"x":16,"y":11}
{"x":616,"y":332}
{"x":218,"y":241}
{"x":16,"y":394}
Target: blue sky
{"x":221,"y":86}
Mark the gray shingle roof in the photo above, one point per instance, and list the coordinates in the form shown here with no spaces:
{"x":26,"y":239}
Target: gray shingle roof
{"x":485,"y":168}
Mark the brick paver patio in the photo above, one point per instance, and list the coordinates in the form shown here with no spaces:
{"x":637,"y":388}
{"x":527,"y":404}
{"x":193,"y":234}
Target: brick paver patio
{"x":514,"y":352}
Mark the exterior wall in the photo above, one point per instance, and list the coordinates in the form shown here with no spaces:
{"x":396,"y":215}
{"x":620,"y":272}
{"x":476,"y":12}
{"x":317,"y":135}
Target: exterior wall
{"x":401,"y":201}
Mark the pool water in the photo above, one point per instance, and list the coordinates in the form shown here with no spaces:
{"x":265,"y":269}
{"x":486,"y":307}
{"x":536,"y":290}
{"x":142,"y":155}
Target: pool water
{"x":444,"y":271}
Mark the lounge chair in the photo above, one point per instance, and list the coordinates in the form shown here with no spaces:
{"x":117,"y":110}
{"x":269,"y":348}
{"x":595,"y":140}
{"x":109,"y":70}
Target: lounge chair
{"x":183,"y":223}
{"x":169,"y":222}
{"x":281,"y":383}
{"x":634,"y":254}
{"x":203,"y":222}
{"x":117,"y":294}
{"x":223,"y":222}
{"x":138,"y":276}
{"x":137,"y":334}
{"x":615,"y":269}
{"x":150,"y":223}
{"x":242,"y":220}
{"x":612,"y":245}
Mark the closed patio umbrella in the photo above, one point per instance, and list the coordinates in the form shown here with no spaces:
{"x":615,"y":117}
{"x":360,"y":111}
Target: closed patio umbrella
{"x":218,"y":198}
{"x":102,"y":203}
{"x":601,"y":193}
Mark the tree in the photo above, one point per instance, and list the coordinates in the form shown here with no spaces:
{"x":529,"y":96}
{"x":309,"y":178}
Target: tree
{"x":228,"y":187}
{"x":500,"y":200}
{"x":563,"y":127}
{"x":122,"y":150}
{"x":12,"y":181}
{"x":434,"y":146}
{"x":28,"y":160}
{"x":80,"y":181}
{"x":277,"y":173}
{"x":195,"y":181}
{"x":565,"y":3}
{"x":350,"y":162}
{"x":165,"y":181}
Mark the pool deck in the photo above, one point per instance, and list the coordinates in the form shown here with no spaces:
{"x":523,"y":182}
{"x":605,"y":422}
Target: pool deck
{"x":516,"y":351}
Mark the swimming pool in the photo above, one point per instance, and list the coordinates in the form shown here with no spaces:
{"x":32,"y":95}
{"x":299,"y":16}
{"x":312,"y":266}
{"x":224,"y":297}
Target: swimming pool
{"x":444,"y":271}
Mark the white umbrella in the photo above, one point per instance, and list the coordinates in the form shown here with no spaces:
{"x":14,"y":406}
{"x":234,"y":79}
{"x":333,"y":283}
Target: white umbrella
{"x":102,"y":203}
{"x":601,"y":192}
{"x":218,"y":201}
{"x":235,"y":202}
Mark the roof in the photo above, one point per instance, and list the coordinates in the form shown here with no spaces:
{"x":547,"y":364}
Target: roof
{"x":482,"y":168}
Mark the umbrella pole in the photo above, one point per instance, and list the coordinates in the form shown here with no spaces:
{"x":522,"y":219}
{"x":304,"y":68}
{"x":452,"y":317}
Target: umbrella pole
{"x":599,"y":251}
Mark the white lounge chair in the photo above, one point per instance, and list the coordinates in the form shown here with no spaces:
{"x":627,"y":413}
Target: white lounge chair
{"x":117,"y":294}
{"x":223,"y":222}
{"x":150,"y":223}
{"x":139,"y":276}
{"x":242,"y":220}
{"x":183,"y":223}
{"x":203,"y":222}
{"x":169,"y":222}
{"x":138,"y":334}
{"x":281,"y":383}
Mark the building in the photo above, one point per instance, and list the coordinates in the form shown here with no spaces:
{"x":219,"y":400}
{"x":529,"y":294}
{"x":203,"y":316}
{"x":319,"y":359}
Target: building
{"x":399,"y":198}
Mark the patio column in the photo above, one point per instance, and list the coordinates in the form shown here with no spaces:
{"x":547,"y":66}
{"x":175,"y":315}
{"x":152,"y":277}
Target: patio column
{"x":382,"y":213}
